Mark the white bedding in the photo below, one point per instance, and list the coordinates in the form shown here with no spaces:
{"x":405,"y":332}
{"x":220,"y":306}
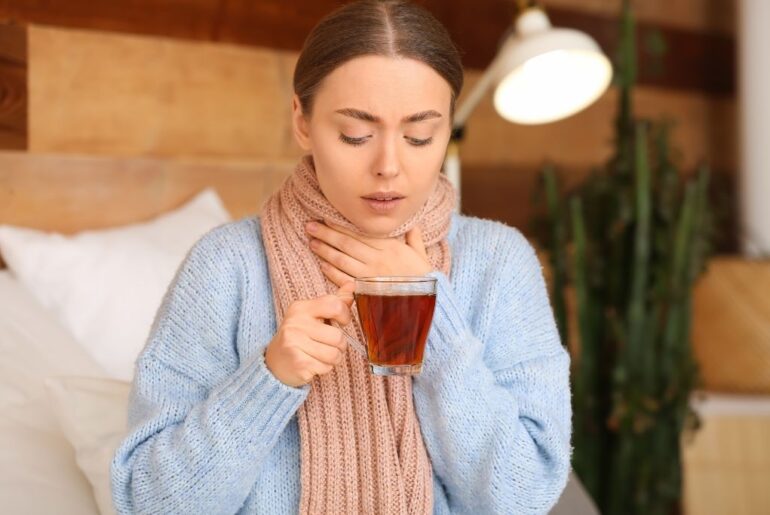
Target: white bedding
{"x":38,"y":473}
{"x":63,"y":331}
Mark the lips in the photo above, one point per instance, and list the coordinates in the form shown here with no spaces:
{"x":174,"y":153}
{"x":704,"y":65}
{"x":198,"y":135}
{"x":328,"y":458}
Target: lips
{"x":384,"y":195}
{"x":382,"y":202}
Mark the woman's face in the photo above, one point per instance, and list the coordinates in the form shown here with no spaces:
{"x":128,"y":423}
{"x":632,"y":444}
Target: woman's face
{"x":379,"y":128}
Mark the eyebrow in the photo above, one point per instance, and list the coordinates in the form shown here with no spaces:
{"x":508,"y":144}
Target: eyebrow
{"x":368,"y":117}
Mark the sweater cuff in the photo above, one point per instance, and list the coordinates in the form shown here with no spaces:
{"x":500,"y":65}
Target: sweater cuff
{"x":254,"y":404}
{"x":450,"y":342}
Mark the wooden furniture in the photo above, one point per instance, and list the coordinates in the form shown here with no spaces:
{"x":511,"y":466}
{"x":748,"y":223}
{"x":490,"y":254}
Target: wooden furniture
{"x":727,"y":463}
{"x":70,"y":193}
{"x":731,"y":326}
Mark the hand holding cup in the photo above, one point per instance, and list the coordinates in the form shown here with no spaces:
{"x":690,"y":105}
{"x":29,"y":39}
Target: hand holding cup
{"x":305,"y":345}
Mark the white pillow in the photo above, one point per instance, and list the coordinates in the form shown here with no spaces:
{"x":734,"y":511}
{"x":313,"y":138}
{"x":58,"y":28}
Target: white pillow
{"x":38,"y":472}
{"x":105,"y":286}
{"x":92,"y":413}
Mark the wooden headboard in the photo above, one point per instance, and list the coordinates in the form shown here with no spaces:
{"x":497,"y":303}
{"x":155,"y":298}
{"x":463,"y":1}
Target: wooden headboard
{"x":69,"y":193}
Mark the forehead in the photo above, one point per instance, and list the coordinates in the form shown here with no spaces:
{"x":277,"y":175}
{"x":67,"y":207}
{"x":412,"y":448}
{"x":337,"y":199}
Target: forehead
{"x":384,"y":86}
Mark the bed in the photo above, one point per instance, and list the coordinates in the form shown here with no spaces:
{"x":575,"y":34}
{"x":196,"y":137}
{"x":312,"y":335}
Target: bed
{"x":62,"y":398}
{"x":38,"y":472}
{"x":60,"y":405}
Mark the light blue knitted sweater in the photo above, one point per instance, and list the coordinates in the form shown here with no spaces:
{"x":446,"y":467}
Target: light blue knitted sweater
{"x":211,"y":430}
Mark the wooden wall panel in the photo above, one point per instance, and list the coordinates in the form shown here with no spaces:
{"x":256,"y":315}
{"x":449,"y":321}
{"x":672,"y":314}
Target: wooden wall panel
{"x":13,"y":87}
{"x":667,"y":57}
{"x":69,"y":193}
{"x":124,"y":95}
{"x":505,"y":192}
{"x":242,"y":20}
{"x":716,"y":16}
{"x":116,"y":94}
{"x":696,"y":59}
{"x":705,"y":130}
{"x":155,"y":99}
{"x":193,"y":19}
{"x":693,"y":60}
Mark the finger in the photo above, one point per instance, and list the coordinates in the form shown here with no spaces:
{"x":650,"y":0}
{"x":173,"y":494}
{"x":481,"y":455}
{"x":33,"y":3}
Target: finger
{"x":414,"y":240}
{"x":335,"y":275}
{"x":324,"y":332}
{"x":329,"y":307}
{"x":346,"y":291}
{"x":312,"y":367}
{"x":326,"y":354}
{"x":345,"y":241}
{"x":340,"y":260}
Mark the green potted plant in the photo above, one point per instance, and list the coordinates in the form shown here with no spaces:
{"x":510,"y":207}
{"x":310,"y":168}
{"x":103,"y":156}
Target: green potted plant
{"x":627,"y":245}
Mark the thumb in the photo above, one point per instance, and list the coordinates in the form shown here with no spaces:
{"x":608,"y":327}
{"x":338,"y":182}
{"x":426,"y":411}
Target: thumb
{"x":345,"y":292}
{"x":414,"y":240}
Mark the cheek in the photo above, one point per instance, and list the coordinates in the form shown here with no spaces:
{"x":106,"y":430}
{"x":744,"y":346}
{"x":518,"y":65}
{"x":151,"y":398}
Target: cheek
{"x":428,"y":160}
{"x":337,"y":182}
{"x":422,"y":186}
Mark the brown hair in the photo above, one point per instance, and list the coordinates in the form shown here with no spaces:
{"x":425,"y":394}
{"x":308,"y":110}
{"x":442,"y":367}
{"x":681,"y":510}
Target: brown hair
{"x":392,"y":28}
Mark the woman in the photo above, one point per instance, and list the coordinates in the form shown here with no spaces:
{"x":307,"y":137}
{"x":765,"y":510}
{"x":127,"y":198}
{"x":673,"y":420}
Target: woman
{"x":245,"y":400}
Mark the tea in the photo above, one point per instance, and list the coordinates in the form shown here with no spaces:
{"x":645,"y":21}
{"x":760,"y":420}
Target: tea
{"x":395,"y":314}
{"x":395,"y":327}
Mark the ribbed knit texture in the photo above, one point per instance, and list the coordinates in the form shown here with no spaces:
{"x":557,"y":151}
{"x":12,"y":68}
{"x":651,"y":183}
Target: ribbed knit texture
{"x":361,"y":447}
{"x":212,"y":431}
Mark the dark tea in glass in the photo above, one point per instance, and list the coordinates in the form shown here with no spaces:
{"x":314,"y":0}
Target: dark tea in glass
{"x":396,"y":314}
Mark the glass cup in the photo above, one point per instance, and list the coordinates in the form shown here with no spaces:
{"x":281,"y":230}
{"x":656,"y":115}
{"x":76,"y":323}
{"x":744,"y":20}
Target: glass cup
{"x":396,"y":314}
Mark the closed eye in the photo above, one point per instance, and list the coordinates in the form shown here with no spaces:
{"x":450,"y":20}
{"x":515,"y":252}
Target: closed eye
{"x":419,"y":142}
{"x":360,"y":141}
{"x":353,"y":141}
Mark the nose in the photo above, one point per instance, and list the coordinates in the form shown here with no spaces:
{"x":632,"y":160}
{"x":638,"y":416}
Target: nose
{"x":388,"y":164}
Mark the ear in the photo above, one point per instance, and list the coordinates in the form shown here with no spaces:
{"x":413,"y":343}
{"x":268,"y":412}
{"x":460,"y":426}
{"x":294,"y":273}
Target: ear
{"x":300,"y":125}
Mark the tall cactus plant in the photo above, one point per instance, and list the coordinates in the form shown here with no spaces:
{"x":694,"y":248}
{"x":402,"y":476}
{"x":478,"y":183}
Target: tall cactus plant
{"x":629,"y":243}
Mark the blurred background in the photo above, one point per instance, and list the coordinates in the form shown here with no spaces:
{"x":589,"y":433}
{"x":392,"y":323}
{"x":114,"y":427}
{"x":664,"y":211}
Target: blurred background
{"x":115,"y":112}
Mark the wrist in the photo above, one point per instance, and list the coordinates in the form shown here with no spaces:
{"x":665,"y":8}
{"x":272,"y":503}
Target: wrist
{"x":268,"y":359}
{"x":274,"y":370}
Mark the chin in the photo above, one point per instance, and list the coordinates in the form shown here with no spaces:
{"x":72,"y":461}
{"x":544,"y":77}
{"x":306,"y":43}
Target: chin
{"x":379,"y":228}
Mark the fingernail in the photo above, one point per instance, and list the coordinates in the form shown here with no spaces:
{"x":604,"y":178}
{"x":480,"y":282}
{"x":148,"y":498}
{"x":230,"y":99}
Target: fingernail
{"x":312,"y":227}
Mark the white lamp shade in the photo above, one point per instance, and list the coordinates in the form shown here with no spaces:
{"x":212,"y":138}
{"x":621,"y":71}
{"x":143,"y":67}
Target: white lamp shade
{"x":544,"y":74}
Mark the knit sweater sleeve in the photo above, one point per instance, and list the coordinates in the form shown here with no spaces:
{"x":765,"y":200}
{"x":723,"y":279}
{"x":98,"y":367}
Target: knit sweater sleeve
{"x":496,"y":414}
{"x":201,"y":421}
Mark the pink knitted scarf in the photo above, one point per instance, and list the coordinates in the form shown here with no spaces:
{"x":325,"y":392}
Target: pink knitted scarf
{"x":361,"y":446}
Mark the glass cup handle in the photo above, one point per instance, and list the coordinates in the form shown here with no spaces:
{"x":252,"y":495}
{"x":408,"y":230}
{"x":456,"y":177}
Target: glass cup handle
{"x":353,"y":342}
